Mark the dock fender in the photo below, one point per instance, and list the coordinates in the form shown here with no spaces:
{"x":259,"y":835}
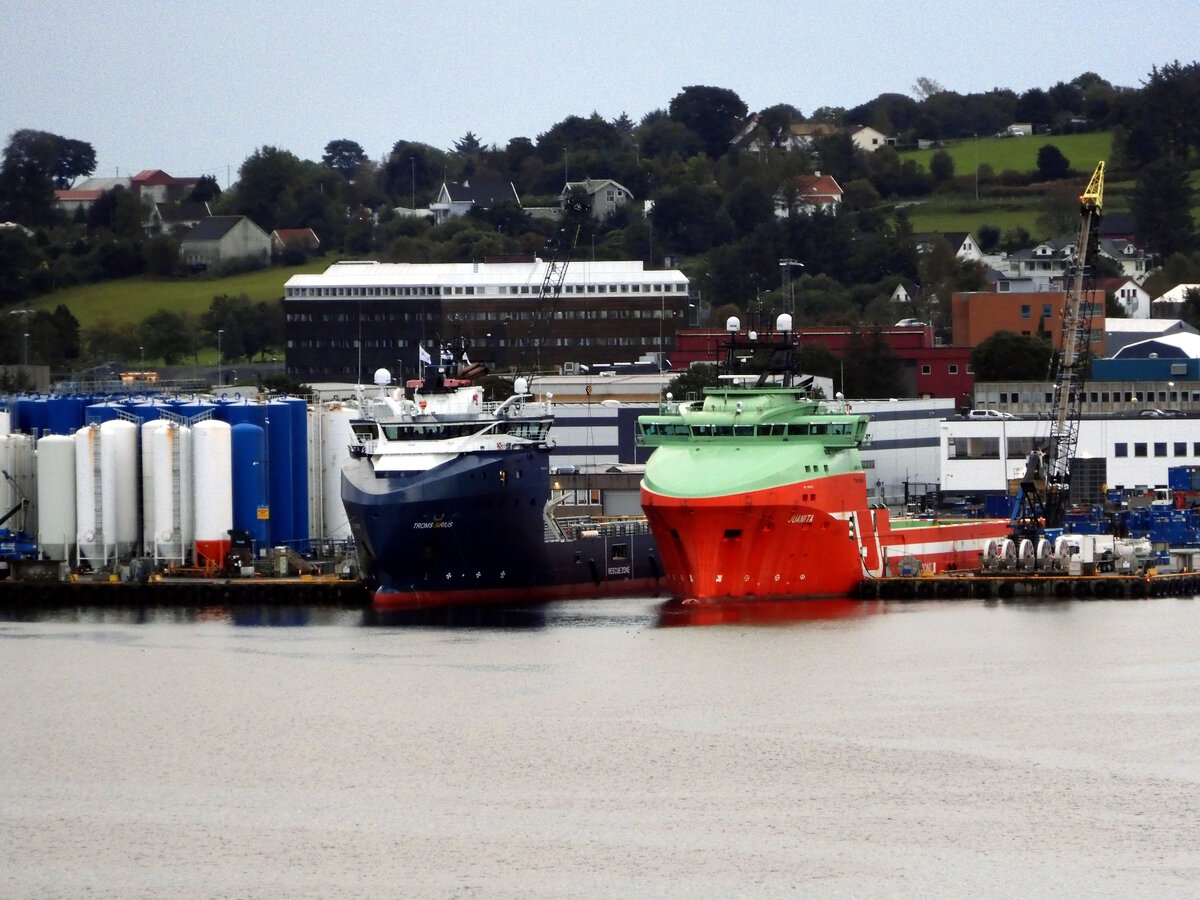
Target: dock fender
{"x":654,"y":567}
{"x":594,"y":569}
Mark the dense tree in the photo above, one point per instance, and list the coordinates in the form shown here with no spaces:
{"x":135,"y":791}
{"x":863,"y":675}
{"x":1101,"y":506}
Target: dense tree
{"x":164,"y":335}
{"x":468,"y":145}
{"x":35,"y":163}
{"x":1007,"y":356}
{"x":1162,"y":207}
{"x":119,"y":211}
{"x":1059,"y":210}
{"x":714,"y":113}
{"x":1051,"y":164}
{"x":988,"y":237}
{"x":413,"y":170}
{"x":205,"y":190}
{"x":941,"y":167}
{"x":1167,"y":110}
{"x":264,"y":179}
{"x":1034,"y":106}
{"x":344,"y":156}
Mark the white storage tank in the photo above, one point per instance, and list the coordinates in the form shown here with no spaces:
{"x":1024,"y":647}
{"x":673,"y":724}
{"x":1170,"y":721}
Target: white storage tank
{"x":212,"y":452}
{"x":56,"y":497}
{"x":148,"y":430}
{"x":171,"y":519}
{"x":106,"y":491}
{"x":336,"y":438}
{"x":119,"y":484}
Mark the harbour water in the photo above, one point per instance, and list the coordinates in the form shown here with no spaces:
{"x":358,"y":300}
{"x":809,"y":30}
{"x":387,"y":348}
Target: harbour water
{"x":924,"y":749}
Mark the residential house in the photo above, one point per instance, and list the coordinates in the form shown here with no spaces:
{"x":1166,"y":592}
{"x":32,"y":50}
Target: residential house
{"x":801,"y":135}
{"x":905,"y":292}
{"x":458,"y":199}
{"x":1132,"y":296}
{"x":176,"y":217}
{"x":605,"y":195}
{"x":1047,"y":264}
{"x":221,"y":241}
{"x":1117,"y":226}
{"x":301,"y":238}
{"x":961,"y":242}
{"x":1171,"y":304}
{"x":1125,"y":253}
{"x":868,"y":139}
{"x":83,"y":195}
{"x":156,"y":186}
{"x":809,"y":194}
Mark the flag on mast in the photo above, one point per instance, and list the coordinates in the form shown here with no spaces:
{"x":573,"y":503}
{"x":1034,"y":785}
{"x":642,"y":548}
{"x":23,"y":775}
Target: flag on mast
{"x":424,"y":355}
{"x":466,"y":360}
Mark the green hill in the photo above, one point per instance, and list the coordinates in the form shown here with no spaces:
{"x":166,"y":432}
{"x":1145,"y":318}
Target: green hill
{"x":129,"y":300}
{"x":1020,"y":153}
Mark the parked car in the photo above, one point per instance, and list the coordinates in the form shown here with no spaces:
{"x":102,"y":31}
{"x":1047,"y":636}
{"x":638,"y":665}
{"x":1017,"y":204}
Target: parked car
{"x":1152,"y":413}
{"x":989,"y":414}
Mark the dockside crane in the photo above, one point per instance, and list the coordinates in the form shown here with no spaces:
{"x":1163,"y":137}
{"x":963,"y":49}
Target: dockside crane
{"x":1036,"y":509}
{"x":560,"y":249}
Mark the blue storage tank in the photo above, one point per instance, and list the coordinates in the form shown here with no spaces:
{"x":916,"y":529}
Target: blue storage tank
{"x":104,"y":411}
{"x":29,"y":415}
{"x":279,"y":472}
{"x":299,"y":410}
{"x":249,"y":450}
{"x":64,"y":415}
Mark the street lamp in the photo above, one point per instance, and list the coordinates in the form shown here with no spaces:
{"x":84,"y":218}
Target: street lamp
{"x":785,"y":267}
{"x":220,"y":331}
{"x":142,"y":362}
{"x":25,"y":349}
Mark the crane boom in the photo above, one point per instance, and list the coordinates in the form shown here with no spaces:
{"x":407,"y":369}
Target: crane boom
{"x":560,"y":250}
{"x":1070,"y":368}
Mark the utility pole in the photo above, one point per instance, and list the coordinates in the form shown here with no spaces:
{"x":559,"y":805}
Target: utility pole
{"x":785,"y":267}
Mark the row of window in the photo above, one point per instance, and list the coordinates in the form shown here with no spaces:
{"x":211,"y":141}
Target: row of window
{"x":951,"y":369}
{"x":648,"y":340}
{"x":1019,"y":448}
{"x":776,"y":429}
{"x":519,"y":315}
{"x":470,"y":290}
{"x":1047,"y":397}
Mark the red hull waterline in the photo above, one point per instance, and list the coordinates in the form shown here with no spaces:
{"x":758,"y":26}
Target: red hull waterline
{"x":397,"y":601}
{"x":799,"y":541}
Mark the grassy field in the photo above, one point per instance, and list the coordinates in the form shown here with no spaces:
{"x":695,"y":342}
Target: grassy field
{"x":130,"y":300}
{"x":944,"y":217}
{"x":1020,"y":153}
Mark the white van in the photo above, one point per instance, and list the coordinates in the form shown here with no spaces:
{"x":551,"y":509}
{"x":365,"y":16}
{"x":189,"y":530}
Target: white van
{"x":989,"y":414}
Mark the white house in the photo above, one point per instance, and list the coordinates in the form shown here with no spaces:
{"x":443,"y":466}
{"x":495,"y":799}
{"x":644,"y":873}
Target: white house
{"x":809,"y":194}
{"x":1132,"y":296}
{"x":458,"y":199}
{"x":868,"y":139}
{"x":225,"y":240}
{"x":605,"y":195}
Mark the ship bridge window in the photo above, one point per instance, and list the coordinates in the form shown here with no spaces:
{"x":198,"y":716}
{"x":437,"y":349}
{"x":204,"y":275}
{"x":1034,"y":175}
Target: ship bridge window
{"x":743,"y":430}
{"x":801,"y":428}
{"x":723,"y":430}
{"x":776,"y":429}
{"x":819,"y":428}
{"x":620,"y":551}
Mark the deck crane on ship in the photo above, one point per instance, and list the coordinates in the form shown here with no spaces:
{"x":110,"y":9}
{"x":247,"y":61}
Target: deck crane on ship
{"x":1043,"y":497}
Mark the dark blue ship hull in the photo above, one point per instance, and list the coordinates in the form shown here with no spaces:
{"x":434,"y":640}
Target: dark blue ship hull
{"x":472,"y":531}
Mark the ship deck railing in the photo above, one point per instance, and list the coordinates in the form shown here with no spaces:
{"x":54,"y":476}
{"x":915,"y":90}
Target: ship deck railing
{"x":574,"y":528}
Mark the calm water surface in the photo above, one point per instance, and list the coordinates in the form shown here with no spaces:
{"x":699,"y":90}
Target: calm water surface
{"x":955,"y":749}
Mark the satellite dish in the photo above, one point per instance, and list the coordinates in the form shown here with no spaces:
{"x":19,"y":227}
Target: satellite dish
{"x":382,"y":377}
{"x":732,"y":324}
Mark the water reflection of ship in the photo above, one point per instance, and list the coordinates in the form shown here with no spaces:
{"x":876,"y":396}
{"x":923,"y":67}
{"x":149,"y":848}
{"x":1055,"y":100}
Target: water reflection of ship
{"x":677,"y":613}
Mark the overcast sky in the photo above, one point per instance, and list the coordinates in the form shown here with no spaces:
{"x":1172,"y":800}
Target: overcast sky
{"x":195,"y":87}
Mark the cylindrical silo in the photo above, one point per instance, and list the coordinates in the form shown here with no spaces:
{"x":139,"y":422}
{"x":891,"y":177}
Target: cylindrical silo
{"x":279,"y":472}
{"x":212,"y":483}
{"x":173,"y":518}
{"x":336,"y":438}
{"x":56,"y":496}
{"x":148,"y":527}
{"x":119,"y":486}
{"x":251,"y":510}
{"x":300,"y":472}
{"x":89,"y":509}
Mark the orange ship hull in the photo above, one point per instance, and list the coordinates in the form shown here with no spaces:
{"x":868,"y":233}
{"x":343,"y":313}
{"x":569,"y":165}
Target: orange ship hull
{"x":815,"y":538}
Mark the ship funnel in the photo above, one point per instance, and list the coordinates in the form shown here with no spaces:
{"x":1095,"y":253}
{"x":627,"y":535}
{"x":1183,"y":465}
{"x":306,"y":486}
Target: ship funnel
{"x":733,"y":324}
{"x":383,"y":377}
{"x":783,"y":323}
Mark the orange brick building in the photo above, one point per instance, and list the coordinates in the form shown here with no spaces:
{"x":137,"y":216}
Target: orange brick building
{"x":976,"y":316}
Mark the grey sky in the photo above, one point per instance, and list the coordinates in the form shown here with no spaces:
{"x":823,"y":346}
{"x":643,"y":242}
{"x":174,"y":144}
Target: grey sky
{"x":194,"y":88}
